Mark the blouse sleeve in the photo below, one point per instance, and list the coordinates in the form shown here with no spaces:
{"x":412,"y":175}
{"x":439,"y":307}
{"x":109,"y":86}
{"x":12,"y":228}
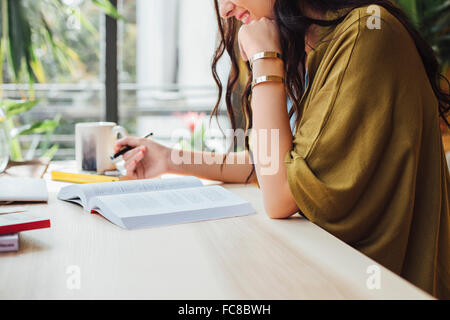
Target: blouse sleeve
{"x":346,"y":126}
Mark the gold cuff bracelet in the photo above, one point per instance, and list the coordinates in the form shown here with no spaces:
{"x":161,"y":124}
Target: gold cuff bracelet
{"x":265,"y":79}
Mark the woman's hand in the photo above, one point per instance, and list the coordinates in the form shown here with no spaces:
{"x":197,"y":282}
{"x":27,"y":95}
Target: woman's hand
{"x":258,"y":36}
{"x":147,"y":160}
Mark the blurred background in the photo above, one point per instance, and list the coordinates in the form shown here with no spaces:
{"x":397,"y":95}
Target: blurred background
{"x":144,"y":64}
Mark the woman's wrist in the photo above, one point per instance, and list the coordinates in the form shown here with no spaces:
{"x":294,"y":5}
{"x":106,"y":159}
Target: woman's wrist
{"x":183,"y":162}
{"x":265,"y":67}
{"x":172,"y":167}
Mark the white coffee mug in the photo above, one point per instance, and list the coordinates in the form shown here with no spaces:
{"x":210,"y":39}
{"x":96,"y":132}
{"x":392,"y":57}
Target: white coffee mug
{"x":94,"y":144}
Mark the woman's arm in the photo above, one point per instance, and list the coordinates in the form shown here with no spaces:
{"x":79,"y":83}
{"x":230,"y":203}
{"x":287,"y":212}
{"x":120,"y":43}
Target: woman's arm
{"x":236,"y":169}
{"x":272,"y":139}
{"x":149,"y":159}
{"x":271,"y":136}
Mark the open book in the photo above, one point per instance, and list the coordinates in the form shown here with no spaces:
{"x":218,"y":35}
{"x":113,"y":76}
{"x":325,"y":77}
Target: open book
{"x":156,"y":202}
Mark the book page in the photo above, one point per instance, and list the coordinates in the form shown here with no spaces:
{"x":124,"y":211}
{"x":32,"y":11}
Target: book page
{"x":19,"y":218}
{"x":166,"y":201}
{"x":88,"y":191}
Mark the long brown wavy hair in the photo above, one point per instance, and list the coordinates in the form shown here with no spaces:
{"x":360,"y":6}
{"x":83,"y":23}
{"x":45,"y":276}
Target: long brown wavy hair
{"x":293,"y":25}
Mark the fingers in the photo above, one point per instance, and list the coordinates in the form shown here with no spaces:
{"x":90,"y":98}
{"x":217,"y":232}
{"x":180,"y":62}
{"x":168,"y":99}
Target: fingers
{"x":127,"y":141}
{"x":133,"y":158}
{"x":132,"y":153}
{"x":131,"y":169}
{"x":140,"y":171}
{"x":258,"y":35}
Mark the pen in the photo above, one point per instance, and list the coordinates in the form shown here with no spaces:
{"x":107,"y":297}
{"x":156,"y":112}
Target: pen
{"x":127,"y":148}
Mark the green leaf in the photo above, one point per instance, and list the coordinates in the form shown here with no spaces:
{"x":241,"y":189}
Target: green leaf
{"x":4,"y":35}
{"x":23,"y":28}
{"x":16,"y":150}
{"x":410,"y":8}
{"x":109,"y":9}
{"x":85,"y":23}
{"x":13,"y":108}
{"x":62,"y":54}
{"x":50,"y":153}
{"x":16,"y":25}
{"x":38,"y":127}
{"x":432,"y":18}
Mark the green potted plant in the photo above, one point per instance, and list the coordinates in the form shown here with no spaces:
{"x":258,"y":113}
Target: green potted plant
{"x":13,"y":128}
{"x":4,"y":142}
{"x":432,"y":18}
{"x":24,"y":28}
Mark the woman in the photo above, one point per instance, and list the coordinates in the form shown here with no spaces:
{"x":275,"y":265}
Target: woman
{"x":363,"y":92}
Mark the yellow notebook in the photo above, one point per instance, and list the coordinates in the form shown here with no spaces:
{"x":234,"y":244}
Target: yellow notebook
{"x":81,"y":178}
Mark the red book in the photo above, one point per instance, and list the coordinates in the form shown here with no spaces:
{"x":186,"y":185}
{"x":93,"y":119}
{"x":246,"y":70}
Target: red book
{"x":23,"y":221}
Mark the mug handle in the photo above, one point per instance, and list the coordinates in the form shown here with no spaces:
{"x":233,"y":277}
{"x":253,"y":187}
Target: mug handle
{"x":119,"y":132}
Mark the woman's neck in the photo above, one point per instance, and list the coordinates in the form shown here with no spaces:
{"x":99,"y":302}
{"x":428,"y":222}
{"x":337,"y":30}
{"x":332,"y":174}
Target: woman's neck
{"x":312,"y":36}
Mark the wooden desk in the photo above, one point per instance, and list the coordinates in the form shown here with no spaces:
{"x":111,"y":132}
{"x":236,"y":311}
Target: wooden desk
{"x":250,"y":257}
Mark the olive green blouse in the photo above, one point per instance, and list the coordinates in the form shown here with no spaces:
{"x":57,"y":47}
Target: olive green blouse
{"x":367,"y":163}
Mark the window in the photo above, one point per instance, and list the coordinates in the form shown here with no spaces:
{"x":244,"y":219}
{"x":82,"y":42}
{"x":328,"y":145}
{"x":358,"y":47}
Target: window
{"x":165,"y":49}
{"x":175,"y":42}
